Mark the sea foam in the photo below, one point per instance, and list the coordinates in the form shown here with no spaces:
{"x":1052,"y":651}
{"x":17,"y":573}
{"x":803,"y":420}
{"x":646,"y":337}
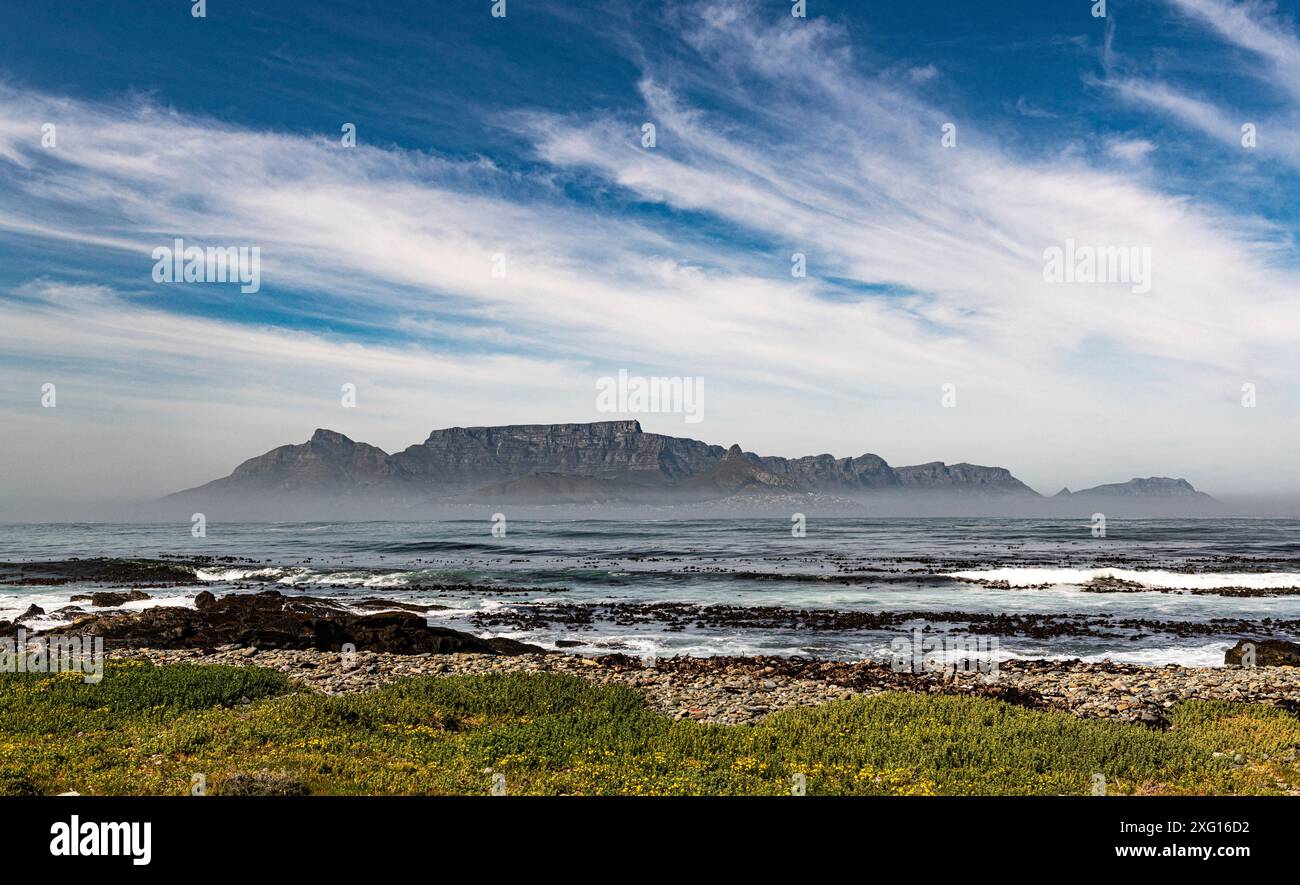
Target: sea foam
{"x":1154,"y":579}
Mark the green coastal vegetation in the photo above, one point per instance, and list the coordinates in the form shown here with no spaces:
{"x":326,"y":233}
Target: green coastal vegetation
{"x":248,"y":730}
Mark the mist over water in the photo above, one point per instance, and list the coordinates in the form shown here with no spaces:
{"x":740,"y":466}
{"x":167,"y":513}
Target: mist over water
{"x":480,"y":581}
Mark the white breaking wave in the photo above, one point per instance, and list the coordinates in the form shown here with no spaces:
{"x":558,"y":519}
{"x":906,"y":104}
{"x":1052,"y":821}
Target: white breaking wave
{"x":293,"y":576}
{"x":348,"y":579}
{"x":13,"y":608}
{"x":240,"y":574}
{"x":1154,"y":579}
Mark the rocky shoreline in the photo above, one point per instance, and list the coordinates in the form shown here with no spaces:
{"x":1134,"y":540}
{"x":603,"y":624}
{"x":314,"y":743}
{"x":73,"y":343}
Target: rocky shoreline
{"x":337,"y":648}
{"x":681,"y":616}
{"x":272,"y":620}
{"x":732,"y":690}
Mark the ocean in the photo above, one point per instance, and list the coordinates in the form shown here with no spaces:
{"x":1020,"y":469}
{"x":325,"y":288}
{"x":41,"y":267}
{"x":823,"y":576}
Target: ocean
{"x":1179,"y":591}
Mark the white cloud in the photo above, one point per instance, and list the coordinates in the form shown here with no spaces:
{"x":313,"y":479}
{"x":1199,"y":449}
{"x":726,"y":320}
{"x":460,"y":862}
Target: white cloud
{"x":1192,"y":111}
{"x":923,"y":73}
{"x":1130,"y":150}
{"x":1255,"y":27}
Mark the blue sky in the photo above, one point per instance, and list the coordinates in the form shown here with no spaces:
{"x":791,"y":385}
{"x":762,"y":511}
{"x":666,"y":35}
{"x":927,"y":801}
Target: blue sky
{"x":520,"y":136}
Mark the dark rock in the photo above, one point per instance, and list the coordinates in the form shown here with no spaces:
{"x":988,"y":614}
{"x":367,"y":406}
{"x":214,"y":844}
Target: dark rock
{"x":1107,"y":584}
{"x":33,"y":611}
{"x":377,"y":604}
{"x":680,"y":616}
{"x":1268,"y":653}
{"x":104,"y":570}
{"x":272,"y":620}
{"x":109,"y":599}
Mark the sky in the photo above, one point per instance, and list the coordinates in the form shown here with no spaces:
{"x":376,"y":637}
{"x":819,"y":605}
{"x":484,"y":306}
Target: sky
{"x":501,"y":235}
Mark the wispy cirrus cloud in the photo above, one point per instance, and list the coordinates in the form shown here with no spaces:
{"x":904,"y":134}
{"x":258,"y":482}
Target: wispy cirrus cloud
{"x":1272,"y":50}
{"x":1256,"y":27}
{"x":774,"y":137}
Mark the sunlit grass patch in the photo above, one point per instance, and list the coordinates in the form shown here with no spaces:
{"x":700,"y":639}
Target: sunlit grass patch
{"x":149,"y":729}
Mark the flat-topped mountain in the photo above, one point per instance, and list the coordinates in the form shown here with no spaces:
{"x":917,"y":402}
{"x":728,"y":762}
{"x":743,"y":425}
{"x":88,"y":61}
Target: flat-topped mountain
{"x":962,"y":477}
{"x":1139,"y":487}
{"x":607,"y":461}
{"x":467,"y":458}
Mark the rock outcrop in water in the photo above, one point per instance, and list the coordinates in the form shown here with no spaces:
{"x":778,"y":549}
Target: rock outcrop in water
{"x":272,"y":620}
{"x":1268,"y":653}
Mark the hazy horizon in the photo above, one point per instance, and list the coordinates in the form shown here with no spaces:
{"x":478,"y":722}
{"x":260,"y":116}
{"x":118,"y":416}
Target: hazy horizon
{"x":1276,"y":504}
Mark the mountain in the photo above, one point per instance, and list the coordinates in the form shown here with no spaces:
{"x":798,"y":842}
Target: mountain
{"x":1141,"y":496}
{"x":1140,"y":487}
{"x":559,"y":488}
{"x":327,"y":463}
{"x":961,"y":478}
{"x":613,"y":461}
{"x":465,"y":458}
{"x":824,"y":473}
{"x":738,"y":473}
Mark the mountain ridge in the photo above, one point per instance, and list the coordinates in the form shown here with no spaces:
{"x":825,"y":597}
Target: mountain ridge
{"x":611,"y":460}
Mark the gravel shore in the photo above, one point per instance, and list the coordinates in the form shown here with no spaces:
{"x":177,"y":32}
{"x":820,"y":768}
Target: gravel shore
{"x":742,"y":690}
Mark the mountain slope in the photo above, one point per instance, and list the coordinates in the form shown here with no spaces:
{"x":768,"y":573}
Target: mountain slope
{"x":329,"y":463}
{"x":961,"y":478}
{"x":740,"y":474}
{"x":1141,"y":487}
{"x":559,"y":488}
{"x":825,"y":473}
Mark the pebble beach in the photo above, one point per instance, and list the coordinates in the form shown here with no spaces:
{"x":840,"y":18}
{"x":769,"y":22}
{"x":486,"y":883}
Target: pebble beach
{"x":729,"y":690}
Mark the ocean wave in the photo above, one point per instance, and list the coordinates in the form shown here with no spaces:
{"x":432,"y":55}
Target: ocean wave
{"x":1154,"y":579}
{"x":218,"y":575}
{"x":297,"y":576}
{"x":448,"y":547}
{"x":51,"y":603}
